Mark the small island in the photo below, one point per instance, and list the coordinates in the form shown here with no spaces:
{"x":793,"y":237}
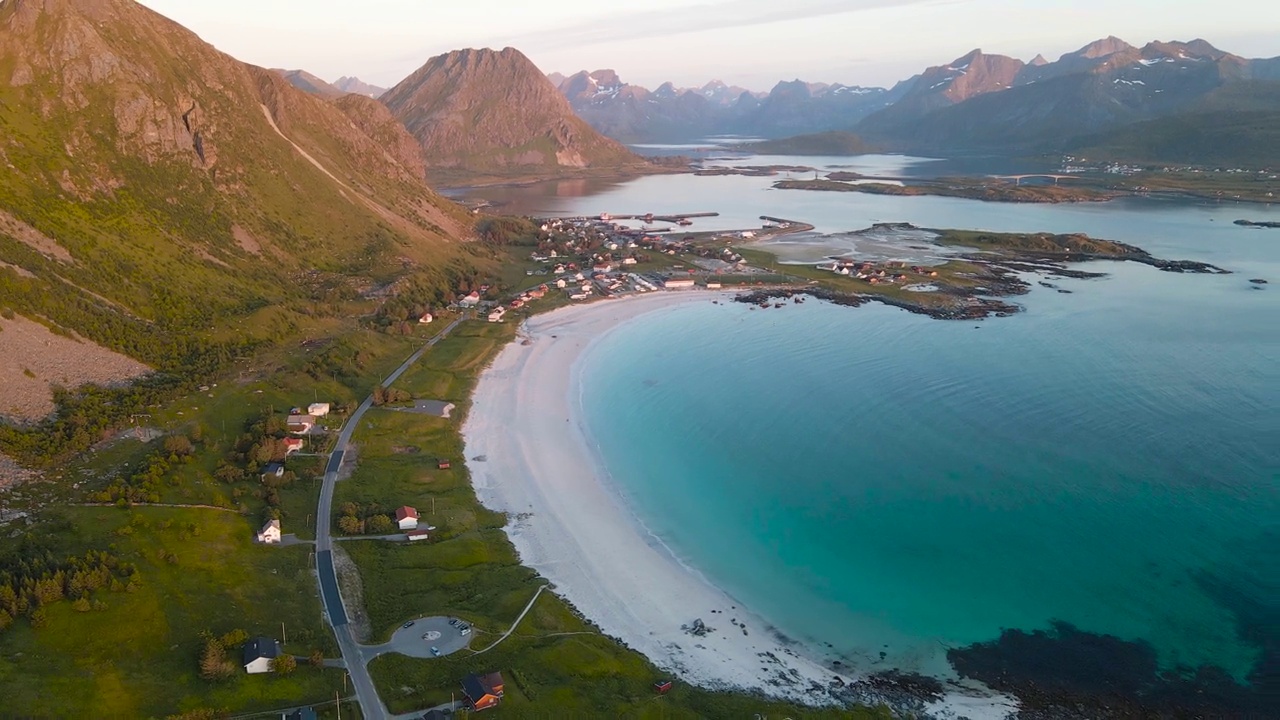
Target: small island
{"x":983,"y":268}
{"x":1258,"y":224}
{"x":988,"y":189}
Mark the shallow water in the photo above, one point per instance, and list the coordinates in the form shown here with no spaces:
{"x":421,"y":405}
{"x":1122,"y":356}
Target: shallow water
{"x":873,"y":481}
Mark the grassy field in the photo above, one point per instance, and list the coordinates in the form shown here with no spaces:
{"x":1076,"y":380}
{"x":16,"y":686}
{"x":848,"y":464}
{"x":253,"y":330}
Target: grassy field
{"x":556,"y":663}
{"x":138,"y":656}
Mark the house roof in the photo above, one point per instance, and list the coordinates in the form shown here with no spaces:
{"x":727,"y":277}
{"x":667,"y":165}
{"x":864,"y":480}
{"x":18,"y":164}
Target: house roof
{"x":492,"y":682}
{"x":273,"y":523}
{"x":435,"y":715}
{"x":272,"y":468}
{"x":305,"y":713}
{"x":260,"y":647}
{"x":473,"y":688}
{"x":296,"y":419}
{"x":406,"y":512}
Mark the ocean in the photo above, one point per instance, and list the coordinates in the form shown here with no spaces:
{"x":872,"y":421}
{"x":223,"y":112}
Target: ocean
{"x":1085,"y":495}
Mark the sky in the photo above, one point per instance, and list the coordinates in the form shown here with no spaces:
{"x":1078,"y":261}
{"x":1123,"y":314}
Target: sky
{"x":751,"y":43}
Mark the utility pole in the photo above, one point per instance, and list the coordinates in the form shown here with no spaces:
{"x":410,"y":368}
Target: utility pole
{"x":283,"y":634}
{"x":337,"y":704}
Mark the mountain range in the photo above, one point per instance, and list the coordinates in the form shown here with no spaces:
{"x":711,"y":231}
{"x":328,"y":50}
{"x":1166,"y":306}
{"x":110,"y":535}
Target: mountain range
{"x":977,"y":103}
{"x":633,"y":114}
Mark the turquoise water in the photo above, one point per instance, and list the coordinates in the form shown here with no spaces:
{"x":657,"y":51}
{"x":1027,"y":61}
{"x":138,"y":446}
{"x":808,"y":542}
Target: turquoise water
{"x":872,"y":481}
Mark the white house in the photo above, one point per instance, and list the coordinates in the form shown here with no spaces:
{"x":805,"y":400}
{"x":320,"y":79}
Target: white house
{"x":629,"y":261}
{"x":270,"y":532}
{"x":416,"y":535}
{"x":561,"y":283}
{"x":496,"y":314}
{"x":318,"y":409}
{"x":407,"y":518}
{"x":425,"y":319}
{"x":470,"y":301}
{"x":258,"y":654}
{"x":673,"y":283}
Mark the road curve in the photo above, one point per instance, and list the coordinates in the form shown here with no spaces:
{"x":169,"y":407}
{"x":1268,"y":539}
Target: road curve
{"x":371,"y":705}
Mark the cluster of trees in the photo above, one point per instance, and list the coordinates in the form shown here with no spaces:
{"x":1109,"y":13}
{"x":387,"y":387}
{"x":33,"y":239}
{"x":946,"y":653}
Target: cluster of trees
{"x":507,"y":231}
{"x":215,"y":662}
{"x":32,"y":579}
{"x":371,"y":519}
{"x":385,"y":396}
{"x":144,"y":484}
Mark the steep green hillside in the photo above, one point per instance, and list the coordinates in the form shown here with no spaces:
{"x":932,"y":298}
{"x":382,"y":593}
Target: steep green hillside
{"x":1237,"y":126}
{"x":167,"y":201}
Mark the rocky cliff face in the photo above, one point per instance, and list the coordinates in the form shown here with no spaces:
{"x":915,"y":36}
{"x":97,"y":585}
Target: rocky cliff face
{"x":486,"y":111}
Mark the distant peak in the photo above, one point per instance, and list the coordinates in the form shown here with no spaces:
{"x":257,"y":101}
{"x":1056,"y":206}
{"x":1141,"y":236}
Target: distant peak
{"x":1038,"y":60}
{"x":1109,"y":45}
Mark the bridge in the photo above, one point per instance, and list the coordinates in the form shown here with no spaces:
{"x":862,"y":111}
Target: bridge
{"x":1019,"y":178}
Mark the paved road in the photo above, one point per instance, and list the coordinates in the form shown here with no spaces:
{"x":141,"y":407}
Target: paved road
{"x":330,"y":594}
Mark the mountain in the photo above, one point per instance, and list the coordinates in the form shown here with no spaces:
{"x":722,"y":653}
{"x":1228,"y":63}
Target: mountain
{"x":489,"y":112}
{"x":1235,"y":126}
{"x":1042,"y":107}
{"x":942,"y":86}
{"x":634,"y":114}
{"x":169,"y":202}
{"x":359,"y":87}
{"x":309,"y":83}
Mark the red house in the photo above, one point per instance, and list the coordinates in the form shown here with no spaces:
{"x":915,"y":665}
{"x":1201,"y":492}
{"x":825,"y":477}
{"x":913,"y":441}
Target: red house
{"x":444,"y":465}
{"x":662,"y":687}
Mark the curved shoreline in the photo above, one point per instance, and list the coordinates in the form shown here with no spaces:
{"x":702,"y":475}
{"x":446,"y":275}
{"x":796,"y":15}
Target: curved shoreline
{"x":576,"y":530}
{"x":531,"y":457}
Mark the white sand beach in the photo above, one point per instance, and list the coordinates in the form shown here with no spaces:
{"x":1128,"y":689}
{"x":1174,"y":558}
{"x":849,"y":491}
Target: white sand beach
{"x":574,"y":530}
{"x":529,"y":457}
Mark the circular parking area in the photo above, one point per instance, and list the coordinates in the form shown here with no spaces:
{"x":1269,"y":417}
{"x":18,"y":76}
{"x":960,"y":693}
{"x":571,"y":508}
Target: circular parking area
{"x":418,"y":638}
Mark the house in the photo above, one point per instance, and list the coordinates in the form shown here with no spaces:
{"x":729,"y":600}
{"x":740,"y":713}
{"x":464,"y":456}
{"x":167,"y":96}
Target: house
{"x":416,"y":535}
{"x":579,"y":296}
{"x":538,"y":293}
{"x":300,"y":424}
{"x":318,"y":409}
{"x":273,"y":470}
{"x":470,"y":301}
{"x":603,"y":267}
{"x":270,"y":533}
{"x":496,"y":314}
{"x":305,"y":713}
{"x":676,"y":283}
{"x":482,"y":691}
{"x":713,"y":285}
{"x":662,"y":687}
{"x":443,"y":465}
{"x":293,"y":445}
{"x":629,"y":261}
{"x":258,"y":654}
{"x":434,"y":714}
{"x":425,"y":319}
{"x":561,"y":283}
{"x":407,"y":518}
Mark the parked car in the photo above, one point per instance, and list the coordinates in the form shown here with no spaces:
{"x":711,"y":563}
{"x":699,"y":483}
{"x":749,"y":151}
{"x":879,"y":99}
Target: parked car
{"x":408,"y":624}
{"x":435,"y":651}
{"x":466,"y":630}
{"x":453,"y":621}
